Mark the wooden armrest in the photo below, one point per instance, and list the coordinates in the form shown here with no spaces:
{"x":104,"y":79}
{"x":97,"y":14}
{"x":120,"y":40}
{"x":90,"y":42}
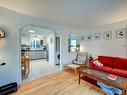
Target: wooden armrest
{"x":73,"y":60}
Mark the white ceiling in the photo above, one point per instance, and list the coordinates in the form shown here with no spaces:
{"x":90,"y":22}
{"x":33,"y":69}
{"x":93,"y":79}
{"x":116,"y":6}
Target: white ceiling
{"x":80,"y":14}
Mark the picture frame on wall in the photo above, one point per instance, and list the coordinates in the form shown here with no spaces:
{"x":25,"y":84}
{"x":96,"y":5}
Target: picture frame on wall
{"x":107,"y":35}
{"x":89,"y":37}
{"x":2,"y":32}
{"x":97,"y":36}
{"x":121,"y":33}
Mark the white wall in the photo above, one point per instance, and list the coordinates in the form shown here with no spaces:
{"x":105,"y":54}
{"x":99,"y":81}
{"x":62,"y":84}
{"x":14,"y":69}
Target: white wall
{"x":9,"y":46}
{"x":51,"y":46}
{"x":113,"y":47}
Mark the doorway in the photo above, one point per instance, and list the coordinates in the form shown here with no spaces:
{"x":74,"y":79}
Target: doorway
{"x":40,"y":52}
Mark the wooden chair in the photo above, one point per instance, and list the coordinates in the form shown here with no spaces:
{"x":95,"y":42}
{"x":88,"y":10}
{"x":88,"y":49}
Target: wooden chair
{"x":79,"y":62}
{"x":25,"y":65}
{"x":72,"y":66}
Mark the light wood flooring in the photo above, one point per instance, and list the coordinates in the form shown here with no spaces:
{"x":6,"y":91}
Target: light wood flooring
{"x":60,"y":83}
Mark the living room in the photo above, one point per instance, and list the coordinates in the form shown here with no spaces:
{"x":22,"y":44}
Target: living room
{"x":83,"y":18}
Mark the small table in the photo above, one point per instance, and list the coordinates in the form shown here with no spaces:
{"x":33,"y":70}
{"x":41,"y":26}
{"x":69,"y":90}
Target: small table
{"x":75,"y":66}
{"x":97,"y":75}
{"x":72,"y":66}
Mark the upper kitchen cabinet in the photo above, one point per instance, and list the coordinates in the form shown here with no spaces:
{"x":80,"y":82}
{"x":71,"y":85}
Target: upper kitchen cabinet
{"x":25,"y":38}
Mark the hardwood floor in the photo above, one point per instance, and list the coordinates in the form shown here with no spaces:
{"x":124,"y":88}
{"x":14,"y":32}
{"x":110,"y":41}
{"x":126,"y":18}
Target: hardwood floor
{"x":60,"y":83}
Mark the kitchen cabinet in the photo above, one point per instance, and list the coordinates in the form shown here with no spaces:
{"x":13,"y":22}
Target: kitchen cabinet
{"x":36,"y":54}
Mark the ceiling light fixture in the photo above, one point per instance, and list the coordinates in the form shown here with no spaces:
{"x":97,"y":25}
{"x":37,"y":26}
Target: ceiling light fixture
{"x":31,"y":31}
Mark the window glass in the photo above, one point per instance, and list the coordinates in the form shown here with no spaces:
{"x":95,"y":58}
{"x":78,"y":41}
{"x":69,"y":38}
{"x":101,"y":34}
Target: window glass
{"x":36,"y":42}
{"x":73,"y":43}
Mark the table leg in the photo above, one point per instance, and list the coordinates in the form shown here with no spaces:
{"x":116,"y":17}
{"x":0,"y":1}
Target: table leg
{"x":75,"y":70}
{"x":79,"y":78}
{"x":124,"y":92}
{"x":65,"y":67}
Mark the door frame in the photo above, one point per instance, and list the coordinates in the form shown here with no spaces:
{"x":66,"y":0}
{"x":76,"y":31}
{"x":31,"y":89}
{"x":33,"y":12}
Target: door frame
{"x":34,"y":25}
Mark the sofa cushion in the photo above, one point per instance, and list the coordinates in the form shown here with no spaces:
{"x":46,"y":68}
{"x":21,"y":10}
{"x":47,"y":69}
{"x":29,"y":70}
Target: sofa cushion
{"x":120,"y":72}
{"x":106,"y":60}
{"x":120,"y":63}
{"x":104,"y":68}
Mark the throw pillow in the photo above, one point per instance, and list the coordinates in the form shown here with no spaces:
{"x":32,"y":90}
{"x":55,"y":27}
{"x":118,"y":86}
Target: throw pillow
{"x":97,"y":63}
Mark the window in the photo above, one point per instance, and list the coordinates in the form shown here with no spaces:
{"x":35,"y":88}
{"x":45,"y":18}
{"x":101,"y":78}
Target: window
{"x":36,"y":43}
{"x":73,"y":43}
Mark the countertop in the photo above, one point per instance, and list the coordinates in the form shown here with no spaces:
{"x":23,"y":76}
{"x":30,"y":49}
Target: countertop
{"x":33,"y":50}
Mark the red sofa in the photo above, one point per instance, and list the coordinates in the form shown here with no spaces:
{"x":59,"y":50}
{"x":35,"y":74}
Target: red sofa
{"x":113,"y":65}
